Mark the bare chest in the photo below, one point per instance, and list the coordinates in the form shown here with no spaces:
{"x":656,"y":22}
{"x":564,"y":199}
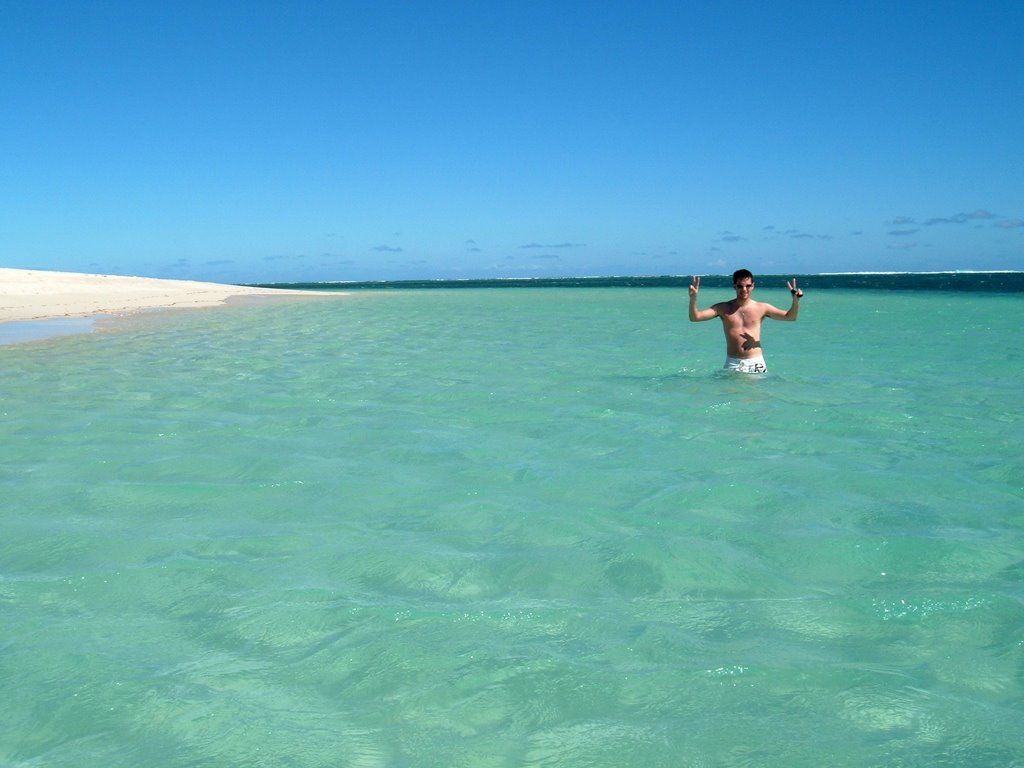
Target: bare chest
{"x":744,"y":317}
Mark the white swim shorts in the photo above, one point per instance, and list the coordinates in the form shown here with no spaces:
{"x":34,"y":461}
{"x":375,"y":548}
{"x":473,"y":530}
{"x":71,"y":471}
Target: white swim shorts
{"x":746,"y":364}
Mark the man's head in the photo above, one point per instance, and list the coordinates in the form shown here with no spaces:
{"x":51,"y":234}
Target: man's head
{"x":743,"y":282}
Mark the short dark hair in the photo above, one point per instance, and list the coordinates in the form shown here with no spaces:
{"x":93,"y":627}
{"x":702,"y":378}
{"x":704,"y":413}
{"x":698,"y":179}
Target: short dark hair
{"x":739,"y":274}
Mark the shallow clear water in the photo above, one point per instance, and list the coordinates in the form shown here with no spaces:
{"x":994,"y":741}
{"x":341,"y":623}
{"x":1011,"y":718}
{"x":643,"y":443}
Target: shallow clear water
{"x":30,"y":330}
{"x":516,"y":528}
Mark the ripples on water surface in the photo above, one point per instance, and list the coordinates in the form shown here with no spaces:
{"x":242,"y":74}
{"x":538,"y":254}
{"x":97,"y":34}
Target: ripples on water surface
{"x":516,"y":528}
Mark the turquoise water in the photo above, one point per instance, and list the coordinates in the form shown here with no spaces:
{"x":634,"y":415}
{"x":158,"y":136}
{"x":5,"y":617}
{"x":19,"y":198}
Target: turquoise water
{"x":30,"y":330}
{"x":532,"y":527}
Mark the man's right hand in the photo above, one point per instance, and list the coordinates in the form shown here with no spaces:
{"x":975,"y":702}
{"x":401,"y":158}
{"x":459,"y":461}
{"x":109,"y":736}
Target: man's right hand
{"x":695,"y":286}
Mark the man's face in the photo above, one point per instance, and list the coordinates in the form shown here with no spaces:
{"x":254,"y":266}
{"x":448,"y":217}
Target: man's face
{"x":743,"y":287}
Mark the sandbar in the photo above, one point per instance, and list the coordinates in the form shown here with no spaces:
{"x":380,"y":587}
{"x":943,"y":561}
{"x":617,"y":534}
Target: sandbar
{"x":28,"y":294}
{"x":33,"y":300}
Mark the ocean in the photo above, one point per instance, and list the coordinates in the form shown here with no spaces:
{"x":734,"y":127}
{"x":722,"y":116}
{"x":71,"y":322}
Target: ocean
{"x":530,"y":527}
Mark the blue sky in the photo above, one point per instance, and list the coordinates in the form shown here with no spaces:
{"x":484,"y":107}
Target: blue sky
{"x":260,"y":141}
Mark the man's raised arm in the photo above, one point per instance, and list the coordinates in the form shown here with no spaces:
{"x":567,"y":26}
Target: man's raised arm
{"x":794,"y":309}
{"x":697,"y":315}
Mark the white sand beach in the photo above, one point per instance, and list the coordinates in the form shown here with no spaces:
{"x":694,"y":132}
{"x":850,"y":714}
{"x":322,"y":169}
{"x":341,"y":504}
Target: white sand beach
{"x":41,"y":295}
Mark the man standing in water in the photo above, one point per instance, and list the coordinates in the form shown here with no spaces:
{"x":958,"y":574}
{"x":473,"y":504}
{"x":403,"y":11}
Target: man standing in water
{"x":741,"y":320}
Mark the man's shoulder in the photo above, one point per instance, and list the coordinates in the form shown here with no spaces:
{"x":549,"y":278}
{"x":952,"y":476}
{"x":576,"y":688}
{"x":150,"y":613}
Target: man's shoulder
{"x":765,"y":309}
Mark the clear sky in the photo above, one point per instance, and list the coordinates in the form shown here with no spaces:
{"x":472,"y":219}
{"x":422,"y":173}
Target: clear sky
{"x":258,"y":141}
